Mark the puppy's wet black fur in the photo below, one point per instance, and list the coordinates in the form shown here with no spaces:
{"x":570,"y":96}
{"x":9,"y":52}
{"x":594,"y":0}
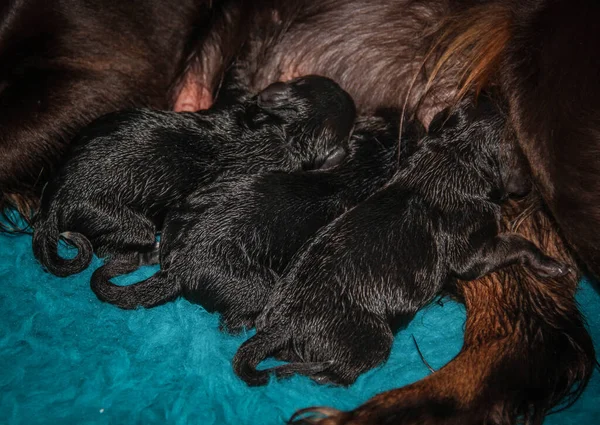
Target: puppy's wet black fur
{"x":437,"y":219}
{"x":227,"y":244}
{"x":127,"y":168}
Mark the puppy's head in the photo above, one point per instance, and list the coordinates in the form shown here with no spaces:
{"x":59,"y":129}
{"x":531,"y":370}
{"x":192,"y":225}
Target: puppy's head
{"x":317,"y":116}
{"x":481,"y":130}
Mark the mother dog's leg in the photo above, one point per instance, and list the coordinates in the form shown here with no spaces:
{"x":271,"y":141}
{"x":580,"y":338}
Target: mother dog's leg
{"x":552,"y":78}
{"x":525,"y":350}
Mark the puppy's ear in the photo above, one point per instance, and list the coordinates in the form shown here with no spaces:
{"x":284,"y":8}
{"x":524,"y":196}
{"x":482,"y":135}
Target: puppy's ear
{"x":438,"y":121}
{"x":412,"y":133}
{"x":333,"y":159}
{"x":275,"y":95}
{"x":455,"y":118}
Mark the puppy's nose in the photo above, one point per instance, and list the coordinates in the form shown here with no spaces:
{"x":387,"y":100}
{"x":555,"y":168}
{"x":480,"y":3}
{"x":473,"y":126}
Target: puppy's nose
{"x":274,"y":94}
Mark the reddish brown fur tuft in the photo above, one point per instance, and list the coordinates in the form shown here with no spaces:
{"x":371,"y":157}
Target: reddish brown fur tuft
{"x":470,"y":45}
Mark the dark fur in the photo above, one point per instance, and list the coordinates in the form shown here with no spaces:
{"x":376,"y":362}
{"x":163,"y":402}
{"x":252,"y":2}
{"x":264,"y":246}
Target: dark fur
{"x":71,"y":62}
{"x":55,"y":77}
{"x":557,"y":114}
{"x":422,"y":54}
{"x":437,"y":219}
{"x":65,"y":63}
{"x":226,"y":245}
{"x":128,"y":168}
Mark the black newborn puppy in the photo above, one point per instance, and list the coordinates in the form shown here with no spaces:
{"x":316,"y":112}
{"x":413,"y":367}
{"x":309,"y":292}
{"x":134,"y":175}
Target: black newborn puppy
{"x":226,"y":245}
{"x":331,"y":314}
{"x":128,"y":168}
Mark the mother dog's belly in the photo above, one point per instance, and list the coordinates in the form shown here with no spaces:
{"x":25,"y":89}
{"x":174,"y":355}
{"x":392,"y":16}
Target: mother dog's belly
{"x":377,"y":51}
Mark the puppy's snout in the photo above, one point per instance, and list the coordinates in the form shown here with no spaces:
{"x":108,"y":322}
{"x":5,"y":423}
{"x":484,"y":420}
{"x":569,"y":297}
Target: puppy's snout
{"x":274,"y":94}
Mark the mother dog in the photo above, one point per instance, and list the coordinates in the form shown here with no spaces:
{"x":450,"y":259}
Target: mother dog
{"x":62,"y":63}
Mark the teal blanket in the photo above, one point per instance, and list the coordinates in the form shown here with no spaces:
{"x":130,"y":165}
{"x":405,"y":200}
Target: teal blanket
{"x":66,"y":358}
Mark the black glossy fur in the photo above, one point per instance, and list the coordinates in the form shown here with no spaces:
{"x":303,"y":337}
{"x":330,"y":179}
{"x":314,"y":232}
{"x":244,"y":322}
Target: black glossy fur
{"x":127,"y":168}
{"x":332,"y":313}
{"x":64,"y":63}
{"x":226,"y":246}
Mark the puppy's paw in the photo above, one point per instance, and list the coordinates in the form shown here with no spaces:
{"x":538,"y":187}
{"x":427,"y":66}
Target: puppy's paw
{"x":315,"y":415}
{"x":550,"y":268}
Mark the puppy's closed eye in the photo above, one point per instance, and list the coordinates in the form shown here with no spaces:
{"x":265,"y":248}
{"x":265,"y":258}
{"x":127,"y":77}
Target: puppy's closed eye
{"x":333,"y":159}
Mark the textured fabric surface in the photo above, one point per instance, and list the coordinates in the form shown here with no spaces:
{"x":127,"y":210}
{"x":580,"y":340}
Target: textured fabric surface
{"x":67,"y":358}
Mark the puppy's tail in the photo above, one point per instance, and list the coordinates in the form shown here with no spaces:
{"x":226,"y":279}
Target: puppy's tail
{"x":46,"y":236}
{"x":156,"y":290}
{"x":261,"y":346}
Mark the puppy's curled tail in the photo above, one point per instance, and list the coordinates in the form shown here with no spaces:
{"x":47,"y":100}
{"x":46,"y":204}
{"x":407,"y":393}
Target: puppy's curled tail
{"x":45,"y":248}
{"x":154,"y":291}
{"x":261,"y":346}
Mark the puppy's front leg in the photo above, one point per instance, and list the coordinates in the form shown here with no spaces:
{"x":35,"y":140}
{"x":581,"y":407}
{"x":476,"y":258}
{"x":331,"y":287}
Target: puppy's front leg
{"x":505,"y":250}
